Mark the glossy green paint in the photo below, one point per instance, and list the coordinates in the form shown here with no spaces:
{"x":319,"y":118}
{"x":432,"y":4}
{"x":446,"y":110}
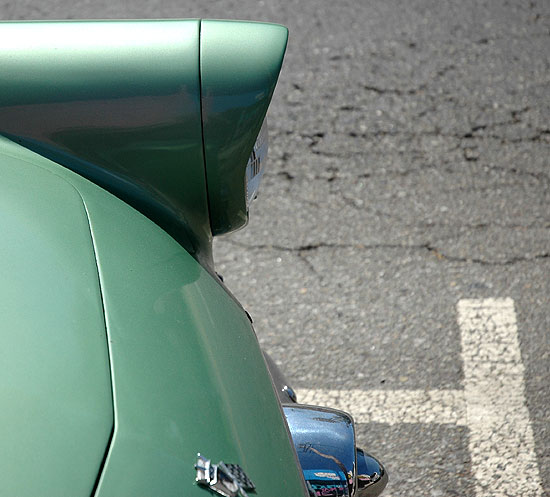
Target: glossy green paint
{"x":188,"y":375}
{"x":119,"y":103}
{"x":188,"y":372}
{"x":57,"y":413}
{"x":125,"y":104}
{"x":240,"y":63}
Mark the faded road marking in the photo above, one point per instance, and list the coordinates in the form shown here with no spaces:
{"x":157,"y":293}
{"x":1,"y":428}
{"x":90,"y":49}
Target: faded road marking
{"x":392,"y":406}
{"x":502,"y":447}
{"x":492,"y":404}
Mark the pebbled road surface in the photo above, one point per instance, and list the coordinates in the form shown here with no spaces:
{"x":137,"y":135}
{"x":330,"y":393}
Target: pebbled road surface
{"x":409,"y":170}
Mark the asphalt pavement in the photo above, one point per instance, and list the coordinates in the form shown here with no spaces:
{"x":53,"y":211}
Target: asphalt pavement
{"x":408,"y":180}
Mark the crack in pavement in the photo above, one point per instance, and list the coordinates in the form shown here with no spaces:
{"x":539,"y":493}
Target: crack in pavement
{"x":539,"y":136}
{"x":515,"y":118}
{"x":336,"y":175}
{"x":481,"y":226}
{"x":409,"y":91}
{"x":538,"y":175}
{"x":487,"y":262}
{"x":300,"y":250}
{"x":476,"y":131}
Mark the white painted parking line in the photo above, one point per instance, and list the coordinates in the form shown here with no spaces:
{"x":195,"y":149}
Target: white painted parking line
{"x":492,"y":404}
{"x":392,"y":406}
{"x":502,"y":447}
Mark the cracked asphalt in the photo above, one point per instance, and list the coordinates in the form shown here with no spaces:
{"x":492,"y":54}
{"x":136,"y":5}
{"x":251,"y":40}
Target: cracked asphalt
{"x":408,"y":169}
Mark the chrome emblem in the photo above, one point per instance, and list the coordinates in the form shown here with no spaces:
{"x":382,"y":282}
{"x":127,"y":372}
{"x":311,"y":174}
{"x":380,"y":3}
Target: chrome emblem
{"x":228,"y":480}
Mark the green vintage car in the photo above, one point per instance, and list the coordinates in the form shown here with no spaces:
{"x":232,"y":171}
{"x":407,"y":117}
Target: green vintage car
{"x":126,"y":366}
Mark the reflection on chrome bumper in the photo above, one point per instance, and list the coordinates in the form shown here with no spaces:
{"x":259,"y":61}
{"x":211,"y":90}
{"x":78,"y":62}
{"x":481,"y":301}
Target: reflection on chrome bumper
{"x":332,"y":465}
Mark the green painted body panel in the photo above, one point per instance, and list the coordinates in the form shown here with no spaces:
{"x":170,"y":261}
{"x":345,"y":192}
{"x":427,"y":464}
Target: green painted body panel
{"x":119,"y":103}
{"x":188,"y":372}
{"x":240,"y":63}
{"x":57,"y":413}
{"x":164,"y":114}
{"x":188,"y":375}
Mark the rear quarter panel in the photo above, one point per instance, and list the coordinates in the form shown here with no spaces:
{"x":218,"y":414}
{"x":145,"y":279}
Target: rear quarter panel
{"x":188,"y":375}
